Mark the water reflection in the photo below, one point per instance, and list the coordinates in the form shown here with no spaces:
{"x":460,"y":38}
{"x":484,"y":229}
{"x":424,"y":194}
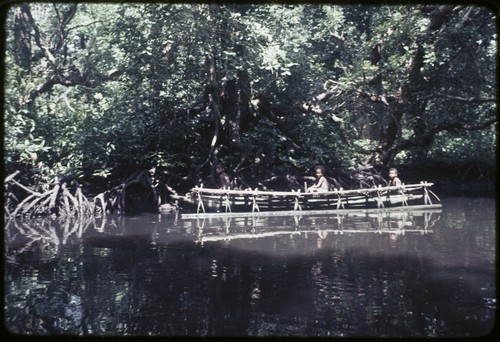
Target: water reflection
{"x":406,"y":274}
{"x":43,"y":231}
{"x":382,"y":222}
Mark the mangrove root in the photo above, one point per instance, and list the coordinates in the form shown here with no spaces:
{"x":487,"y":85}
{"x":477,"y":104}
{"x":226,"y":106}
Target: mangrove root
{"x":58,"y":201}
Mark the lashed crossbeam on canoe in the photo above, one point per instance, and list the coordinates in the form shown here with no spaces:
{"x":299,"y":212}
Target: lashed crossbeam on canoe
{"x":246,"y":192}
{"x":258,"y":201}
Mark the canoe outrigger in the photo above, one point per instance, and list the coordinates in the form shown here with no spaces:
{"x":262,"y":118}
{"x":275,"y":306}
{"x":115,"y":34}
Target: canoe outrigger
{"x":210,"y":202}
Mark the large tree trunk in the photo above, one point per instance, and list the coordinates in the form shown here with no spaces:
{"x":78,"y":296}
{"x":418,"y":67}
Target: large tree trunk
{"x":22,"y":41}
{"x":405,"y":102}
{"x":236,"y":108}
{"x":213,"y":107}
{"x":228,"y":97}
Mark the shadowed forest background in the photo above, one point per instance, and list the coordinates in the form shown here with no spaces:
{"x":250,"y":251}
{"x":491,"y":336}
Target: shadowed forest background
{"x":133,"y":102}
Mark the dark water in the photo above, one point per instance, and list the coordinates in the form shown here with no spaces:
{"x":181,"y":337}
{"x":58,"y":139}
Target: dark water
{"x":394,"y":275}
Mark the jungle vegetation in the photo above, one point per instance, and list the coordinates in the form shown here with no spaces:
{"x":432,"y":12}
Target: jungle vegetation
{"x":98,"y":97}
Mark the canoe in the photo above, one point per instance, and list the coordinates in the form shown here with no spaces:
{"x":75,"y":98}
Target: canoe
{"x":250,"y":202}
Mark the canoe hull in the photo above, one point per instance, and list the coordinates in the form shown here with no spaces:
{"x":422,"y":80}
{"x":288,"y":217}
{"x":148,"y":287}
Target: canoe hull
{"x":218,"y":203}
{"x":232,"y":202}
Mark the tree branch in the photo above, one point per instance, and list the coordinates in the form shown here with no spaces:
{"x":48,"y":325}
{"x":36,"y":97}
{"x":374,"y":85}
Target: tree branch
{"x":71,"y":82}
{"x":461,"y":99}
{"x":462,"y":126}
{"x":425,"y":139}
{"x":25,"y":7}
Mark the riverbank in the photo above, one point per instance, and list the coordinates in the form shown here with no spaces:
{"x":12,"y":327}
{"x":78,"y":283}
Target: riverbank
{"x":448,"y":183}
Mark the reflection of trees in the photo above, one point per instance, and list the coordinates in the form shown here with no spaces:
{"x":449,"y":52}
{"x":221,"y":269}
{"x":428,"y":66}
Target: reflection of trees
{"x":118,"y":285}
{"x":46,"y":285}
{"x":55,"y":231}
{"x":45,"y":294}
{"x":124,"y":286}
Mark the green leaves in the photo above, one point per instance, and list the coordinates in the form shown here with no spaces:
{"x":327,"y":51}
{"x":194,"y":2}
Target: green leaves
{"x":72,"y":114}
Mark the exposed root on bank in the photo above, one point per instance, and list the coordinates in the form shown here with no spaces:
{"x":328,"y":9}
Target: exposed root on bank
{"x":58,"y":200}
{"x":142,"y":191}
{"x":137,"y":191}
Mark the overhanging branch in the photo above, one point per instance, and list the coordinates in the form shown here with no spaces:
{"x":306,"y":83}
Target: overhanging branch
{"x":71,"y":82}
{"x":462,"y":99}
{"x":425,"y":140}
{"x":455,"y":126}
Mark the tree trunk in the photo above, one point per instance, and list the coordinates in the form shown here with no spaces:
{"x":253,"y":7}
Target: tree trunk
{"x":405,"y":102}
{"x":22,"y":41}
{"x":213,"y":107}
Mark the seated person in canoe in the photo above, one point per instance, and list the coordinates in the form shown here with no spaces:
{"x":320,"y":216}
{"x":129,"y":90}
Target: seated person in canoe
{"x":321,"y":184}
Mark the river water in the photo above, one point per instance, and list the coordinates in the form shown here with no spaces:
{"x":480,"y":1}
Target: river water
{"x":386,"y":274}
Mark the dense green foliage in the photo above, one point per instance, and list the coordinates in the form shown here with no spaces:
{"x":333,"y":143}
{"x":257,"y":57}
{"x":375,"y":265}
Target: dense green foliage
{"x":96,"y":91}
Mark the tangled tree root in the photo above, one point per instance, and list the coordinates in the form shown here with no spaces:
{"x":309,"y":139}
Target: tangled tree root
{"x":137,"y":190}
{"x":142,"y":191}
{"x":58,"y":201}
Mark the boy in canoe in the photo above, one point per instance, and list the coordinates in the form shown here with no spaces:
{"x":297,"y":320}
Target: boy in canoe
{"x":393,"y":177}
{"x":224,"y":180}
{"x":321,"y":184}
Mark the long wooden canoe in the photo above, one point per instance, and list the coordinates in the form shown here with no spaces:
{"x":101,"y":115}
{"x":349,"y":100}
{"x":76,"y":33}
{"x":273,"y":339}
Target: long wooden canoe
{"x":270,"y":203}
